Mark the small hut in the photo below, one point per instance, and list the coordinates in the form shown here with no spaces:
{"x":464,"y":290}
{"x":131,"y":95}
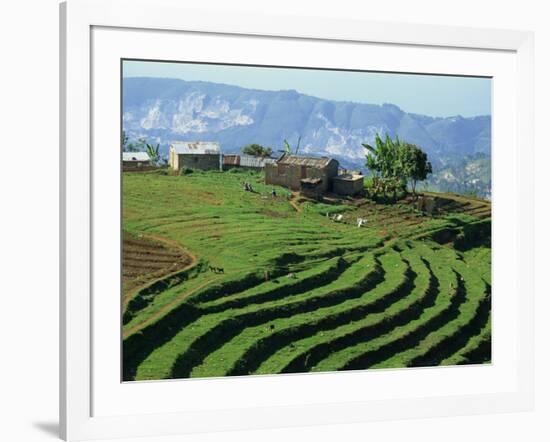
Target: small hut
{"x":203,"y":155}
{"x":135,"y":160}
{"x":348,"y":184}
{"x":290,"y":170}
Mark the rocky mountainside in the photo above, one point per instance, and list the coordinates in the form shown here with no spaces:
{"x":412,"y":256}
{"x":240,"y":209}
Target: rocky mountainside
{"x":165,"y":110}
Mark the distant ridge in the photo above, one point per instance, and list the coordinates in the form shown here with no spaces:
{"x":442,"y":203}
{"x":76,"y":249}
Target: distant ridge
{"x":165,"y":110}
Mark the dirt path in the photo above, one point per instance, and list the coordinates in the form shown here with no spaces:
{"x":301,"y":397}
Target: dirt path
{"x":294,"y":203}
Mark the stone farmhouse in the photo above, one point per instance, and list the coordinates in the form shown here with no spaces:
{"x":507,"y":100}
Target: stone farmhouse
{"x":203,"y":155}
{"x":308,"y":174}
{"x":312,"y":176}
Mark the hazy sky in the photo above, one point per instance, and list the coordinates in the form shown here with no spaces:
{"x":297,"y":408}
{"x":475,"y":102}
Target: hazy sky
{"x":423,"y":94}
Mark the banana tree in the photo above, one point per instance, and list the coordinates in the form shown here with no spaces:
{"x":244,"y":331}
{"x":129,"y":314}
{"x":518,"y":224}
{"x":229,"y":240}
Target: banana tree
{"x":288,"y":149}
{"x":153,"y":152}
{"x":287,"y":146}
{"x":382,"y":159}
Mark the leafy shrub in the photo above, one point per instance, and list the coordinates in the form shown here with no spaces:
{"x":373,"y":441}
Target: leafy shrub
{"x":387,"y":189}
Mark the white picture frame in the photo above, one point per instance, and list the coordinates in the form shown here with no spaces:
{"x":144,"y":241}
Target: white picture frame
{"x":79,"y":378}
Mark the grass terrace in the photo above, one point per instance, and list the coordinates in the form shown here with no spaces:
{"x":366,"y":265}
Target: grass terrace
{"x":219,"y":281}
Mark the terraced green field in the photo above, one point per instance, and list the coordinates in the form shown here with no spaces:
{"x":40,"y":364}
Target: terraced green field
{"x":273,"y":285}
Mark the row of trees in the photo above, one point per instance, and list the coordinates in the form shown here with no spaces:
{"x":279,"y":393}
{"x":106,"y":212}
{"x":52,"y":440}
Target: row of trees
{"x":394,"y":163}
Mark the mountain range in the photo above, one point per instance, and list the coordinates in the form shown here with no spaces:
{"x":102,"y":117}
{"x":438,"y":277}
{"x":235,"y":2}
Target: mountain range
{"x":163,"y":110}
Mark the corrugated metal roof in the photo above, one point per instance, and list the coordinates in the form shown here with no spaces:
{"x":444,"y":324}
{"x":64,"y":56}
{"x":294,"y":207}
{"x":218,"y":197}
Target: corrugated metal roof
{"x":246,"y":161}
{"x":196,"y":147}
{"x":135,"y":156}
{"x":319,"y":162}
{"x":258,"y":162}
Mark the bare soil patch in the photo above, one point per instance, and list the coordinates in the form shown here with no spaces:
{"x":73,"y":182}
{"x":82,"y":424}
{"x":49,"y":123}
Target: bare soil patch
{"x":147,"y":258}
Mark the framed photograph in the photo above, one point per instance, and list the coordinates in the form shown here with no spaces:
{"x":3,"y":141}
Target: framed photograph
{"x":276,"y":221}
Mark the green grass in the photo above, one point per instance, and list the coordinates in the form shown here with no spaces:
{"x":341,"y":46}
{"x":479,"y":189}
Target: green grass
{"x":384,"y":295}
{"x":390,"y":345}
{"x":192,"y":342}
{"x":225,"y":360}
{"x":328,"y":330}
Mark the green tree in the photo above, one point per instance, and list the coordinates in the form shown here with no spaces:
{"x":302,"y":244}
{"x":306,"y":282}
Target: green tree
{"x":393,"y":163}
{"x":287,"y":146}
{"x":153,"y":152}
{"x":288,"y":149}
{"x":382,"y":160}
{"x":257,"y":150}
{"x":127,"y":146}
{"x":383,"y":157}
{"x":414,"y":164}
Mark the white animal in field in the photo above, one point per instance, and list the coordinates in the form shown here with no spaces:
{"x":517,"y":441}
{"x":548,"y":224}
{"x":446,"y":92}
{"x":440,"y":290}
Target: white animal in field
{"x":338,"y":218}
{"x":361,"y":222}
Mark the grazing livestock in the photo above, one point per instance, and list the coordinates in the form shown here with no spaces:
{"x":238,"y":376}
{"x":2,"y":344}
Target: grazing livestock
{"x":361,"y":222}
{"x":216,"y":269}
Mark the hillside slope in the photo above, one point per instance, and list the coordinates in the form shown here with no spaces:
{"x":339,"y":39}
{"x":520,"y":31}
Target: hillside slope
{"x":279,"y":290}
